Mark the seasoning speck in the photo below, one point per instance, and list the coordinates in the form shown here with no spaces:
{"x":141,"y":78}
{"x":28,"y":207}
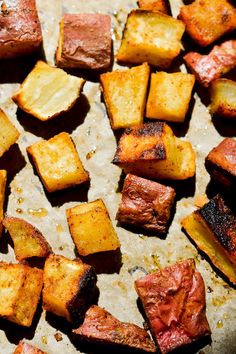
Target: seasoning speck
{"x":19,"y":190}
{"x":91,"y":153}
{"x":19,"y":211}
{"x":20,"y":200}
{"x":58,"y":336}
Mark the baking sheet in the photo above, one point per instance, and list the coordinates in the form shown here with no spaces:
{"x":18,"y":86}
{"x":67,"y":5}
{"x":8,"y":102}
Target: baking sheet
{"x":89,"y":126}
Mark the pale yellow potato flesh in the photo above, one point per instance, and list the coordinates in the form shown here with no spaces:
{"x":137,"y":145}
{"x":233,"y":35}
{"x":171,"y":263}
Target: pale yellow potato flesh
{"x":8,"y":133}
{"x":223,"y":98}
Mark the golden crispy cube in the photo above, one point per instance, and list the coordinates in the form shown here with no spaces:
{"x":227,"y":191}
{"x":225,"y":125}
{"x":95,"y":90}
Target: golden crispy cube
{"x":207,"y":29}
{"x":150,"y":37}
{"x":91,"y":228}
{"x":153,"y":151}
{"x":155,"y":5}
{"x":169,"y":96}
{"x":20,"y":288}
{"x":8,"y":133}
{"x":125,"y":95}
{"x":3,"y":181}
{"x":223,"y":98}
{"x":28,"y":240}
{"x":25,"y":348}
{"x":68,"y":287}
{"x":58,"y":163}
{"x":48,"y":91}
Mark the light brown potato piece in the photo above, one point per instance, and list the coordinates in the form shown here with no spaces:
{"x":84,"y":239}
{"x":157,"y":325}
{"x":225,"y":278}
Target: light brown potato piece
{"x":155,"y":5}
{"x":8,"y":133}
{"x":25,"y":348}
{"x":223,"y":98}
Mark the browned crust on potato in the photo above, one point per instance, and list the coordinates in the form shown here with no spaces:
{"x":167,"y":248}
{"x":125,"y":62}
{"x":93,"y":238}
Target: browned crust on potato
{"x":25,"y":348}
{"x":155,"y":5}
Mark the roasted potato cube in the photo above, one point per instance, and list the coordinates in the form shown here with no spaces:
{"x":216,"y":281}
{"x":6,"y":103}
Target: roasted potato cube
{"x":146,"y":204}
{"x":213,"y":229}
{"x":150,"y":37}
{"x":68,"y":287}
{"x":125,"y":95}
{"x":3,"y":181}
{"x":85,"y":41}
{"x":153,"y":151}
{"x":223,"y":98}
{"x":210,"y":67}
{"x":25,"y":348}
{"x":155,"y":5}
{"x":8,"y":133}
{"x":28,"y":241}
{"x":20,"y":288}
{"x":169,"y":96}
{"x":48,"y":91}
{"x":58,"y":163}
{"x":91,"y":228}
{"x":207,"y":29}
{"x":221,"y":163}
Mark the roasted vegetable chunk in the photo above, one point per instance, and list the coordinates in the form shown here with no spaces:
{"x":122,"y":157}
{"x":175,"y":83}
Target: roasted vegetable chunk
{"x":125,"y":95}
{"x":155,"y":5}
{"x":68,"y":287}
{"x":20,"y":288}
{"x":3,"y":181}
{"x":146,"y":204}
{"x":150,"y":37}
{"x":223,"y":98}
{"x":8,"y":133}
{"x":25,"y":348}
{"x":213,"y":229}
{"x":152,"y":150}
{"x":48,"y":91}
{"x":58,"y":163}
{"x":100,"y":327}
{"x":174,"y":302}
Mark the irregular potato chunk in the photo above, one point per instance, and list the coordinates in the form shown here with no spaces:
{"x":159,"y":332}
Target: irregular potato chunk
{"x":155,"y":5}
{"x":223,"y":98}
{"x":58,"y":163}
{"x":28,"y":241}
{"x":3,"y":181}
{"x":68,"y":287}
{"x":91,"y":228}
{"x":213,"y":229}
{"x":207,"y":29}
{"x":8,"y":133}
{"x":150,"y":37}
{"x":20,"y":288}
{"x":169,"y":96}
{"x":48,"y":91}
{"x":153,"y":151}
{"x":25,"y":348}
{"x":125,"y":95}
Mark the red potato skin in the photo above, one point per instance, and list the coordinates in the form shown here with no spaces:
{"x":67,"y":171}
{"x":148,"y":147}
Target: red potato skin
{"x":24,"y":348}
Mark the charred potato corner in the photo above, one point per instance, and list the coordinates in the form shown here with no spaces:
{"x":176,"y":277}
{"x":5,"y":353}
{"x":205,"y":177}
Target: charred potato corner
{"x":117,"y":176}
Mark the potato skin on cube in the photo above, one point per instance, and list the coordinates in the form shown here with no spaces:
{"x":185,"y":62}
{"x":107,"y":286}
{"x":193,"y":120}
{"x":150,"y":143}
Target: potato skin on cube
{"x":3,"y":181}
{"x":8,"y":133}
{"x":57,"y":162}
{"x":25,"y":348}
{"x":91,"y":228}
{"x":223,"y":98}
{"x":155,"y":5}
{"x":125,"y":92}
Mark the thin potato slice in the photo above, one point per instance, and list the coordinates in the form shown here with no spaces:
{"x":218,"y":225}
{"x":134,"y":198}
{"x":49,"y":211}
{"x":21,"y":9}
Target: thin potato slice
{"x":223,"y":98}
{"x":3,"y":181}
{"x":8,"y":133}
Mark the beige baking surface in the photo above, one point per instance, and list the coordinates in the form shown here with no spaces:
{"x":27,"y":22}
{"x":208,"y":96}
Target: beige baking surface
{"x":91,"y":132}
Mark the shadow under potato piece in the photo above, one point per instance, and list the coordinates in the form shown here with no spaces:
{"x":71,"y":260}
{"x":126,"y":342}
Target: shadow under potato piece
{"x":108,"y":262}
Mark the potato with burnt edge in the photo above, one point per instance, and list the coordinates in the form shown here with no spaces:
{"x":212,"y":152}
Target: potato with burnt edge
{"x":223,"y":98}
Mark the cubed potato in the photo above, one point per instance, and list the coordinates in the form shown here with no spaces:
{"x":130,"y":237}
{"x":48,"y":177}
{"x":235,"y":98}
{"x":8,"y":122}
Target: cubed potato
{"x":8,"y":133}
{"x":150,"y":37}
{"x":68,"y":287}
{"x":20,"y":30}
{"x":58,"y":163}
{"x":125,"y":95}
{"x":85,"y":41}
{"x":47,"y":91}
{"x":213,"y":230}
{"x":169,"y":96}
{"x":3,"y":182}
{"x":155,"y":5}
{"x":28,"y":240}
{"x":223,"y":98}
{"x":153,"y":151}
{"x":25,"y":348}
{"x":207,"y":29}
{"x":91,"y":228}
{"x":20,"y":289}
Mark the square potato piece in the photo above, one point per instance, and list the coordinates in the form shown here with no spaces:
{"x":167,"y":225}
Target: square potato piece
{"x":3,"y":181}
{"x":58,"y":163}
{"x":223,"y":98}
{"x":125,"y":95}
{"x":207,"y":29}
{"x":20,"y":289}
{"x":155,"y":5}
{"x":169,"y":96}
{"x":8,"y":133}
{"x":20,"y":30}
{"x":47,"y":92}
{"x":150,"y":37}
{"x":91,"y":228}
{"x":25,"y":348}
{"x":68,"y":287}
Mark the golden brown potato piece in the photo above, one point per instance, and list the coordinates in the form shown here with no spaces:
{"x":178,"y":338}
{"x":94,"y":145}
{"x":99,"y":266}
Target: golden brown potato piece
{"x":223,"y":98}
{"x":145,"y":203}
{"x":25,"y":348}
{"x":155,"y":5}
{"x":28,"y":241}
{"x":169,"y":96}
{"x":48,"y":91}
{"x":68,"y":287}
{"x":20,"y":288}
{"x":8,"y":133}
{"x":153,"y":151}
{"x":213,"y":229}
{"x":207,"y":29}
{"x":58,"y":163}
{"x":3,"y":181}
{"x":91,"y":228}
{"x":125,"y":95}
{"x":150,"y":37}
